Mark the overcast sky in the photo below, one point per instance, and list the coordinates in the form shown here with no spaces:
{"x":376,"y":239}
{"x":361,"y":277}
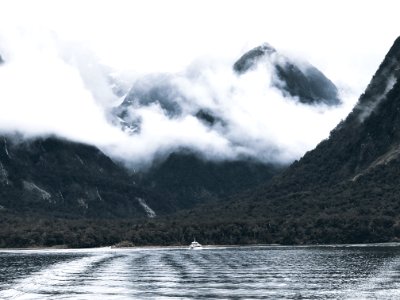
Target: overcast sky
{"x":339,"y":36}
{"x":167,"y":35}
{"x":68,"y":48}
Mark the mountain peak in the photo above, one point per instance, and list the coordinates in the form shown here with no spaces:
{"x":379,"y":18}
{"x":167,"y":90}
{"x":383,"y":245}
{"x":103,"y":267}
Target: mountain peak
{"x":267,"y":47}
{"x":250,"y":58}
{"x":302,"y":80}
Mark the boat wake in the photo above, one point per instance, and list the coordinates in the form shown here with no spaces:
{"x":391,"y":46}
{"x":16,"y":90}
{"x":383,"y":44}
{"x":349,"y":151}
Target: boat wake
{"x":218,"y":273}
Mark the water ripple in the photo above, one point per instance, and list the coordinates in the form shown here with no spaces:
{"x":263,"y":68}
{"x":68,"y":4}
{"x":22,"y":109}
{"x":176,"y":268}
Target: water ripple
{"x":215,"y":273}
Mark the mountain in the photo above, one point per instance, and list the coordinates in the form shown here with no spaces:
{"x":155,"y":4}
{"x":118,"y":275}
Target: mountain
{"x":292,"y":78}
{"x":296,"y":79}
{"x":184,"y":177}
{"x":187,"y":180}
{"x":344,"y":191}
{"x":54,"y":177}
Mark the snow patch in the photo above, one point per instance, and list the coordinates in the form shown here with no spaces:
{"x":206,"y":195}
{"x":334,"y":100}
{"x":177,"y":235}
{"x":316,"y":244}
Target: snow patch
{"x":150,"y":213}
{"x":30,"y":186}
{"x":83,"y":203}
{"x":5,"y":148}
{"x":3,"y":175}
{"x":98,"y":195}
{"x":80,"y":159}
{"x":61,"y":196}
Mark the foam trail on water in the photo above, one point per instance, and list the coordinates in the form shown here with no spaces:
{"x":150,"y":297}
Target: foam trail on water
{"x":52,"y":280}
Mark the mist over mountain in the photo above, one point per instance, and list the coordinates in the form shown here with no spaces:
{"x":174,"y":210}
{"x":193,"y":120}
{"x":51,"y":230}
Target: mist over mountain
{"x":232,"y":111}
{"x":141,"y":117}
{"x":56,"y":72}
{"x":343,"y":191}
{"x":189,"y":176}
{"x":170,"y":91}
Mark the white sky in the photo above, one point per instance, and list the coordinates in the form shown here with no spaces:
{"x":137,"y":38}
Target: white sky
{"x":345,"y":39}
{"x":338,"y":36}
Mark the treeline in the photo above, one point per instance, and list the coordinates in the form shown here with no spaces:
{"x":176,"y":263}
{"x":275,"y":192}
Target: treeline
{"x":18,"y":232}
{"x":76,"y":233}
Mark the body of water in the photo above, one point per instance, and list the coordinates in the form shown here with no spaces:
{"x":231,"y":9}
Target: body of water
{"x":330,"y":272}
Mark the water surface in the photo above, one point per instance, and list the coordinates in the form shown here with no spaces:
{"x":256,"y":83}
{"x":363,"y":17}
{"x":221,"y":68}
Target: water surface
{"x":333,"y":272}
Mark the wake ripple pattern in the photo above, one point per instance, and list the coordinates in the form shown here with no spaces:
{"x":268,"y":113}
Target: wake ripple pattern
{"x":214,"y":273}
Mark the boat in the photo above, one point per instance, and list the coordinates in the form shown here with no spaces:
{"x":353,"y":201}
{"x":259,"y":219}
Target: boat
{"x":195,"y":245}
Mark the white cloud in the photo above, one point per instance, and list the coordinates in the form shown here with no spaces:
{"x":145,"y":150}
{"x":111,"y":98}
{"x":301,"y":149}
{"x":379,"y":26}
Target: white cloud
{"x":60,"y":55}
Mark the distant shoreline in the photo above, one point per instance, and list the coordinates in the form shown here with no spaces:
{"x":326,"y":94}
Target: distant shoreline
{"x":61,"y":247}
{"x":205,"y":247}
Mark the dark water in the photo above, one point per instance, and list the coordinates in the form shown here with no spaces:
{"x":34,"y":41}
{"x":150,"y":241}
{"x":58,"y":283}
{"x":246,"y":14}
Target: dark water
{"x":336,"y":272}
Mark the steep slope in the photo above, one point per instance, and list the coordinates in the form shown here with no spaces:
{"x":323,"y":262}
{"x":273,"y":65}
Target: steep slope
{"x":188,"y":180}
{"x":53,"y":177}
{"x":297,"y":79}
{"x":344,"y":191}
{"x":362,"y":141}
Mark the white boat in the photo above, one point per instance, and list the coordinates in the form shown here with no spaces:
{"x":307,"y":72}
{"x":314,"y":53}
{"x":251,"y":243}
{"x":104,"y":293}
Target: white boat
{"x":195,"y":245}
